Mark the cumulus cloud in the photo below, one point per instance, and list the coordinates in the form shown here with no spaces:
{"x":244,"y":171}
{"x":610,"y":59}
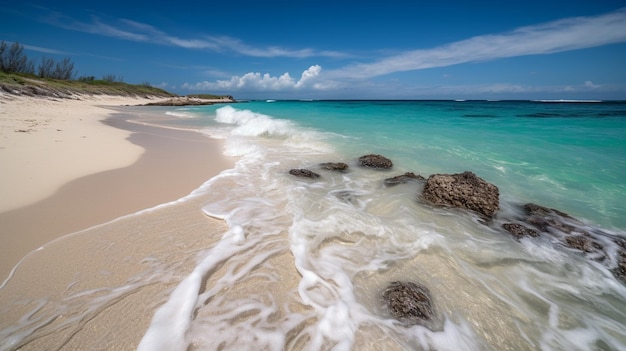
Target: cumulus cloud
{"x":562,"y":35}
{"x":258,"y":81}
{"x":309,"y":75}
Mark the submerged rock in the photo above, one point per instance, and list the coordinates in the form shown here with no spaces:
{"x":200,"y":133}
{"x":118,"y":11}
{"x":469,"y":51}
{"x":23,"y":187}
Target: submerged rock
{"x":570,"y":231}
{"x":375,"y":161}
{"x":519,"y":231}
{"x":334,"y":166}
{"x":347,"y":196}
{"x":409,"y":302}
{"x":464,"y":190}
{"x":542,"y":211}
{"x":620,"y":271}
{"x":583,"y":243}
{"x":403,"y":178}
{"x":304,"y":173}
{"x":545,"y":218}
{"x":594,"y":243}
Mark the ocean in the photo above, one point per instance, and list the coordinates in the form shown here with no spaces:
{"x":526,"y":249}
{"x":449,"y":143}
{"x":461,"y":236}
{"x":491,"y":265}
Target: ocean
{"x":349,"y":236}
{"x":305,"y":262}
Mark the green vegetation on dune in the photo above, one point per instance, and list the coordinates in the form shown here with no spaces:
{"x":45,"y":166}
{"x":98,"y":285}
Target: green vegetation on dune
{"x":31,"y":85}
{"x":19,"y":76}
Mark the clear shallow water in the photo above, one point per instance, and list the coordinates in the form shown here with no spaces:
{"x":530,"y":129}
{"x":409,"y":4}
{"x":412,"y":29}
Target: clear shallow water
{"x":305,"y":262}
{"x":349,"y":236}
{"x":569,"y":156}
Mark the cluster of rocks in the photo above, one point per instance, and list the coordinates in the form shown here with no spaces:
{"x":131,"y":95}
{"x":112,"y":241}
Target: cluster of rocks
{"x":190,"y":101}
{"x":410,"y":302}
{"x":369,"y":161}
{"x":594,"y":243}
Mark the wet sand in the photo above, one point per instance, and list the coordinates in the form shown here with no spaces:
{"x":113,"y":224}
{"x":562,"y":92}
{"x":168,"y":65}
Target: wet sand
{"x":98,"y":289}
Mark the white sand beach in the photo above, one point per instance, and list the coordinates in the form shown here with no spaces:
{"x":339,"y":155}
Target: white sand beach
{"x":65,"y":171}
{"x":46,"y":143}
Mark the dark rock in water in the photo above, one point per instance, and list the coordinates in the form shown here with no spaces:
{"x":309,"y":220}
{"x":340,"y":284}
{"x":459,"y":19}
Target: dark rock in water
{"x":305,"y":173}
{"x":620,"y":271}
{"x":375,"y":161}
{"x":403,"y":178}
{"x":409,"y":302}
{"x":594,"y":243}
{"x":621,"y":242}
{"x":583,"y":243}
{"x":465,"y":190}
{"x":334,"y":166}
{"x":519,"y":231}
{"x":570,"y":231}
{"x":544,"y":218}
{"x":542,"y":211}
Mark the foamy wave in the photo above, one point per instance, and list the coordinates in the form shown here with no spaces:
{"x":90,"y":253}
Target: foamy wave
{"x":254,"y":124}
{"x":251,"y":124}
{"x":181,"y":114}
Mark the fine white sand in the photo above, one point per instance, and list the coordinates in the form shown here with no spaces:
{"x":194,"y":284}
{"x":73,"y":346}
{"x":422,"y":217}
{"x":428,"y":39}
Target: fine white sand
{"x":63,"y":171}
{"x":46,"y":143}
{"x":64,"y":168}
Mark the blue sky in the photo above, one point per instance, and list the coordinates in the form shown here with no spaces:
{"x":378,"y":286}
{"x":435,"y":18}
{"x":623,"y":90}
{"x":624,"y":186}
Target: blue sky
{"x":306,"y":49}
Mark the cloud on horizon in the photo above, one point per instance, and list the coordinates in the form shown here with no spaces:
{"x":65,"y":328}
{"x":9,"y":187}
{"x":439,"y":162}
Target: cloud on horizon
{"x":258,"y":81}
{"x":547,"y":38}
{"x":552,"y":37}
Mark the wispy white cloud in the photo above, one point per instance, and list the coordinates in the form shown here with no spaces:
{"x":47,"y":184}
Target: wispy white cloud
{"x":238,"y":46}
{"x":41,"y":49}
{"x":46,"y":50}
{"x":126,"y":29}
{"x":262,"y":82}
{"x":96,"y":27}
{"x":562,"y":35}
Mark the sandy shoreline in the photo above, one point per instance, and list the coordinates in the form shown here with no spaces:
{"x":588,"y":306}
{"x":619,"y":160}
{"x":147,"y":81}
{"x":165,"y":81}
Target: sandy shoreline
{"x":182,"y":160}
{"x":46,"y":143}
{"x":153,"y":166}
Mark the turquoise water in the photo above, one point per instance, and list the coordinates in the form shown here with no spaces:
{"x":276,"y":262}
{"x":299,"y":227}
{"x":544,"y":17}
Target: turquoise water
{"x":570,"y":156}
{"x":348,"y":236}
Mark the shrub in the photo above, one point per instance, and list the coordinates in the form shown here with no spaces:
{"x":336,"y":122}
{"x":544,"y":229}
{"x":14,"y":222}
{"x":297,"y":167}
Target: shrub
{"x":13,"y":60}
